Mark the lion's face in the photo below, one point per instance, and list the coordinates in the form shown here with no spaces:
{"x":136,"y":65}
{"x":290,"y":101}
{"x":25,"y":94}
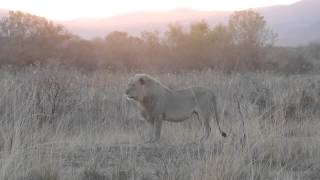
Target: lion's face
{"x":136,"y":88}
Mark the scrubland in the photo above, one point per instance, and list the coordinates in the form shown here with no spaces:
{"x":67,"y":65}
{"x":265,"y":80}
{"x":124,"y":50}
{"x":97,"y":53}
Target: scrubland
{"x":62,"y":123}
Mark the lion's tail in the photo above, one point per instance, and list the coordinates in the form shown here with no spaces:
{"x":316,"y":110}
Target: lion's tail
{"x":214,"y":102}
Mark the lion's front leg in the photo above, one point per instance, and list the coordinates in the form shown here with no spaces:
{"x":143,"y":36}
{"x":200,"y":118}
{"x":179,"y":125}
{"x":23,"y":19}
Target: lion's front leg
{"x":158,"y":126}
{"x":155,"y":130}
{"x":150,"y":133}
{"x":150,"y":130}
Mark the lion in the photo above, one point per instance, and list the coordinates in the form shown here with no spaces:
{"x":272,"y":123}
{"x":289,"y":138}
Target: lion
{"x":159,"y":103}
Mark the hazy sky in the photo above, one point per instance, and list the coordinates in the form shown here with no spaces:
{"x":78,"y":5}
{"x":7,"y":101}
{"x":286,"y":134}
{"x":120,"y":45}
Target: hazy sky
{"x":71,"y":9}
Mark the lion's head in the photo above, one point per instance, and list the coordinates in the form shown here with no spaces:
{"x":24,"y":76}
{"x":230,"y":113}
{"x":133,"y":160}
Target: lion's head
{"x":138,"y":87}
{"x":143,"y":88}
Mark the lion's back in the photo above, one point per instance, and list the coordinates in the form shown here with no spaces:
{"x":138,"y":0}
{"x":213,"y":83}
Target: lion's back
{"x":197,"y":91}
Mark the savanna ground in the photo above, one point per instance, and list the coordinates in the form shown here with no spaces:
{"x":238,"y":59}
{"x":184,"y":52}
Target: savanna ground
{"x":61,"y":123}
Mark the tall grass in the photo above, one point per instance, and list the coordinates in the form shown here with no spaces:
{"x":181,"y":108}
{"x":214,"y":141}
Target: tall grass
{"x":61,"y":123}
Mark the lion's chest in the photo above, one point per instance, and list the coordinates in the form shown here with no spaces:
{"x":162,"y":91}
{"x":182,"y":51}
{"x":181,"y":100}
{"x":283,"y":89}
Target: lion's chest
{"x":148,"y":104}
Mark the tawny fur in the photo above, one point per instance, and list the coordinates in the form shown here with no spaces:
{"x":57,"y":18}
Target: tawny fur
{"x":159,"y":103}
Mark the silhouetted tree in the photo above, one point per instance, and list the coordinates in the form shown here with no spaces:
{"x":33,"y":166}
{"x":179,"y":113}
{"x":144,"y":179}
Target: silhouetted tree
{"x":221,"y":48}
{"x":28,"y":38}
{"x":153,"y":50}
{"x":79,"y":52}
{"x":122,"y":49}
{"x":251,"y":35}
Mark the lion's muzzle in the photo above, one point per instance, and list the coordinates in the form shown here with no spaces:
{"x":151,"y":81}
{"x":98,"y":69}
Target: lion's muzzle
{"x":127,"y":94}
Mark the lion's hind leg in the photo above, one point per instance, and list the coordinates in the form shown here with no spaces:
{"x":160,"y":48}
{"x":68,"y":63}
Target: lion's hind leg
{"x":207,"y":131}
{"x":206,"y":126}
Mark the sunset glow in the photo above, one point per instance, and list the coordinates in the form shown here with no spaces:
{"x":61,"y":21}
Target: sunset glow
{"x":71,"y":9}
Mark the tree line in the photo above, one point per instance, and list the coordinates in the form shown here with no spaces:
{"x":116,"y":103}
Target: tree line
{"x":245,"y":43}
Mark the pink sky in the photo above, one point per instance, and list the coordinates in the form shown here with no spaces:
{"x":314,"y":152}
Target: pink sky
{"x":72,"y":9}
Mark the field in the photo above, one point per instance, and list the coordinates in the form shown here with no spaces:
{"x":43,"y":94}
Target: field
{"x":61,"y":123}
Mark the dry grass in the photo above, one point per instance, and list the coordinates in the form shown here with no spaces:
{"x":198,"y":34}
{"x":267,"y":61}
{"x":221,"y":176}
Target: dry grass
{"x":58,"y":123}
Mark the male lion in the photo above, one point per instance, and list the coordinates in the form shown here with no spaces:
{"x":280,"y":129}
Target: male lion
{"x":158,"y":103}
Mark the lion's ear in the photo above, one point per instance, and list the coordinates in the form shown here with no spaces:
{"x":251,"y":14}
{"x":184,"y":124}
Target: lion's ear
{"x":142,"y":81}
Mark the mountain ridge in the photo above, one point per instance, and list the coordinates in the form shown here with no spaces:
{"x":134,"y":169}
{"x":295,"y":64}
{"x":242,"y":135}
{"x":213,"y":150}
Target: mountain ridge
{"x":290,"y":22}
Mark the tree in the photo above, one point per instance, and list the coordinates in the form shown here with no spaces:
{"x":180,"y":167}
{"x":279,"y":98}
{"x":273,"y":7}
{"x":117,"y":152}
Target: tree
{"x":199,"y":29}
{"x":174,"y":35}
{"x":29,"y":38}
{"x":123,"y":49}
{"x":152,"y":50}
{"x":250,"y":34}
{"x":79,"y":52}
{"x":221,"y":47}
{"x":198,"y":48}
{"x":249,"y":27}
{"x":188,"y":49}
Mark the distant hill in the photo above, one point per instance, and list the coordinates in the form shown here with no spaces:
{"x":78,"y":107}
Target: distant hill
{"x":295,"y":24}
{"x":135,"y":23}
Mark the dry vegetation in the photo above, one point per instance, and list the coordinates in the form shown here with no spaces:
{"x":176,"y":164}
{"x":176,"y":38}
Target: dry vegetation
{"x":244,"y":44}
{"x":60,"y":123}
